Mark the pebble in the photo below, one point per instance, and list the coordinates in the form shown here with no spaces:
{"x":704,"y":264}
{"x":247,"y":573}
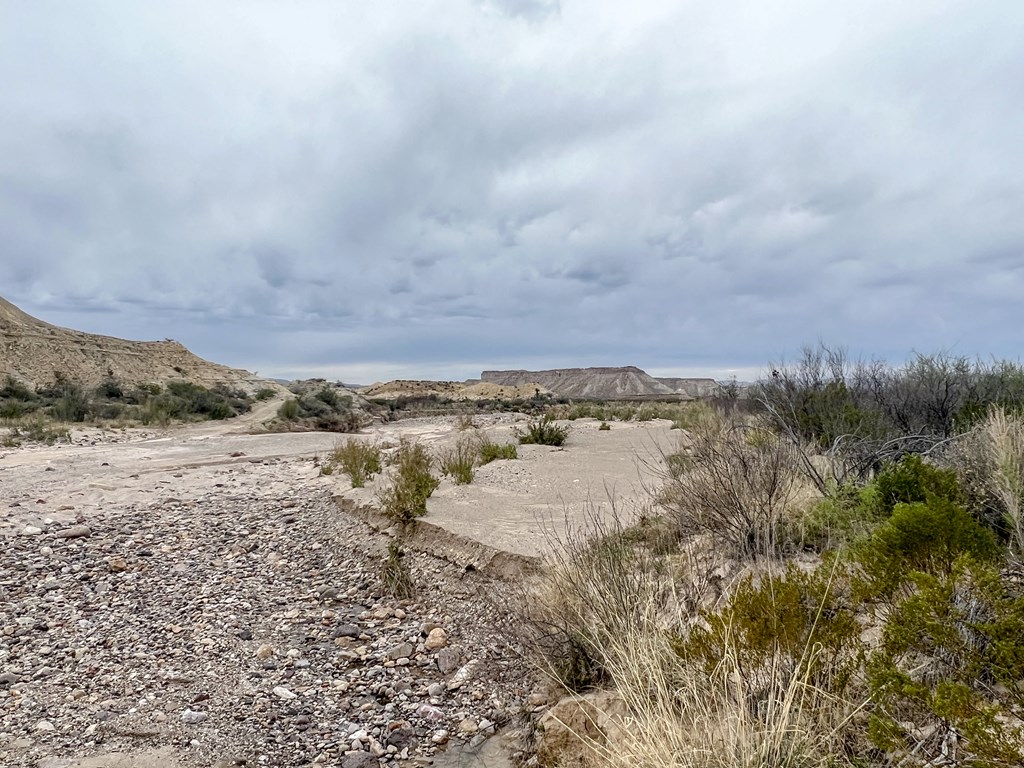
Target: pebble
{"x":192,"y":717}
{"x":283,"y":693}
{"x":437,"y":638}
{"x":74,"y":532}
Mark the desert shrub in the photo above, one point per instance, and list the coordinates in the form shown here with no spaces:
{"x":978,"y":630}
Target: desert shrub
{"x":395,"y":573}
{"x":404,"y":498}
{"x":946,"y":681}
{"x":791,"y":623}
{"x":156,"y":411}
{"x":847,"y":514}
{"x":110,"y":388}
{"x":13,"y":409}
{"x":265,"y":393}
{"x":357,"y":459}
{"x":912,"y":480}
{"x":543,"y":431}
{"x":457,"y":461}
{"x":289,"y":410}
{"x":490,"y":451}
{"x":327,"y":396}
{"x":924,"y":537}
{"x":604,"y":426}
{"x":732,"y":488}
{"x":15,"y":390}
{"x":610,"y":611}
{"x":39,"y":429}
{"x":72,"y":405}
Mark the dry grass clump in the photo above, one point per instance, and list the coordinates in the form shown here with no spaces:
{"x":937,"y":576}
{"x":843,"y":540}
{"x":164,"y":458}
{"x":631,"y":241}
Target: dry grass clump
{"x":395,"y":573}
{"x":991,"y":464}
{"x":761,"y":683}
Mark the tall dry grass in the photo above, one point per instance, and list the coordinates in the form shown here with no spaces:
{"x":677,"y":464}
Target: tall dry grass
{"x":610,"y":612}
{"x":1004,"y":436}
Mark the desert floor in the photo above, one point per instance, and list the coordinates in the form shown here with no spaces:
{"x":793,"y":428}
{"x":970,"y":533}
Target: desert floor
{"x":198,"y":597}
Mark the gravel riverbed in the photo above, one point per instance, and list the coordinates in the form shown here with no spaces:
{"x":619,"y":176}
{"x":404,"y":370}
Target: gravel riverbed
{"x":244,"y":625}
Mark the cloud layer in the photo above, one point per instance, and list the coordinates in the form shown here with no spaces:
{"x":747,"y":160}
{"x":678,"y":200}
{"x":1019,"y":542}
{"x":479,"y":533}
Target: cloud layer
{"x":368,"y":190}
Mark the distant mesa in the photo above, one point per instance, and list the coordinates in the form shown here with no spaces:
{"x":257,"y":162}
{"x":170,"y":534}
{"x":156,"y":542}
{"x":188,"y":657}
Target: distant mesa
{"x":607,"y":383}
{"x":34,"y":351}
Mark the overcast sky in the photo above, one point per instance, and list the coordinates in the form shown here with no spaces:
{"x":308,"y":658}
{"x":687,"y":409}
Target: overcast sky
{"x":373,"y":190}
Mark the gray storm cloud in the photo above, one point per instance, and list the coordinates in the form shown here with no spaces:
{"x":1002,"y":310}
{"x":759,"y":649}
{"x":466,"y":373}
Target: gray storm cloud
{"x":344,"y":187}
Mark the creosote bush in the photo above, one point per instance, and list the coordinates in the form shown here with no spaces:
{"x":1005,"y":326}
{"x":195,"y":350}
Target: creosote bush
{"x":924,"y":537}
{"x":358,"y":459}
{"x":948,"y":677}
{"x":543,"y":431}
{"x":404,"y":497}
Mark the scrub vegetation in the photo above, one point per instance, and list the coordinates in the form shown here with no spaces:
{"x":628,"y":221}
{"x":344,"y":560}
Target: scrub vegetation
{"x":833,"y":578}
{"x":39,"y":413}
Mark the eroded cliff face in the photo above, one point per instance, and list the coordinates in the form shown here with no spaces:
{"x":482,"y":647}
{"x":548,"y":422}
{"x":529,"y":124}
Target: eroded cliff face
{"x":591,"y":383}
{"x":34,"y":352}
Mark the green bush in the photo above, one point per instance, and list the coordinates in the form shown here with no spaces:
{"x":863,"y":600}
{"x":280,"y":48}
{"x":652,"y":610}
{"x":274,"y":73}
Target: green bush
{"x":793,"y":622}
{"x":73,"y":405}
{"x":289,"y":410}
{"x":924,"y":537}
{"x":357,"y":459}
{"x":15,"y":390}
{"x":110,"y":388}
{"x":951,"y":665}
{"x":913,"y":480}
{"x":848,"y":514}
{"x":404,"y":498}
{"x":490,"y":451}
{"x":543,"y":431}
{"x":266,"y":393}
{"x":457,"y":461}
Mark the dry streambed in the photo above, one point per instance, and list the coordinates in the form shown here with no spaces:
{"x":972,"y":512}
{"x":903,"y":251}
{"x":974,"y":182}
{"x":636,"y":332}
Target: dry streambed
{"x":243,"y":625}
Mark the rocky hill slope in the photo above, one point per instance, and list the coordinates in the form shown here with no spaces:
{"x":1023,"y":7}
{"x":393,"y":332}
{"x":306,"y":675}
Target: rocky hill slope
{"x":34,"y":351}
{"x":604,"y":383}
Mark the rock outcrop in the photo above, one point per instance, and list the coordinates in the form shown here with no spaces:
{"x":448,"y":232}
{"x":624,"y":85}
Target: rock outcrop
{"x":34,"y":352}
{"x":692,"y":387}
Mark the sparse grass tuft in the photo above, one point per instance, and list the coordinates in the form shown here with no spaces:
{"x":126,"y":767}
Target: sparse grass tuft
{"x":465,"y":422}
{"x":458,"y":460}
{"x":395,"y":574}
{"x":404,"y":498}
{"x":491,"y":451}
{"x":604,"y":427}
